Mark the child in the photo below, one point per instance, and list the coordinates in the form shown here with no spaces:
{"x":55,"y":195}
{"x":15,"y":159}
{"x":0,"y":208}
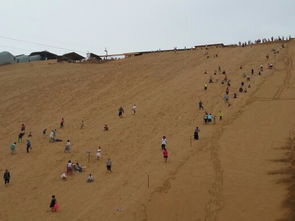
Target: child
{"x":53,"y":204}
{"x":165,"y":155}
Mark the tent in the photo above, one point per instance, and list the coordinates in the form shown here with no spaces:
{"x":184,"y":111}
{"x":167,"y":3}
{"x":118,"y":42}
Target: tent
{"x":6,"y":58}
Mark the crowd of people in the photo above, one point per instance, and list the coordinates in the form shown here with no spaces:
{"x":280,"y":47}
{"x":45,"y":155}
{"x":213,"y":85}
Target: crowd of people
{"x":208,"y":118}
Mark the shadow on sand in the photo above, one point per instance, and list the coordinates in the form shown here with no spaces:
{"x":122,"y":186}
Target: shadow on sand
{"x":288,"y":178}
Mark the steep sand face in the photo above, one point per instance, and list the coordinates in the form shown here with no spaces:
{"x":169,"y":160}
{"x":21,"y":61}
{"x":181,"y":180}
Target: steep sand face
{"x":223,"y":176}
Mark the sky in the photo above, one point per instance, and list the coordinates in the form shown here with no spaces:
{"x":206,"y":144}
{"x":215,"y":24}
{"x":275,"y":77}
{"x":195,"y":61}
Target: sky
{"x":121,"y":26}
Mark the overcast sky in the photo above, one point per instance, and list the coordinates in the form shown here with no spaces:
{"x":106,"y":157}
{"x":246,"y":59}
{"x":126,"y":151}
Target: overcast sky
{"x":136,"y":25}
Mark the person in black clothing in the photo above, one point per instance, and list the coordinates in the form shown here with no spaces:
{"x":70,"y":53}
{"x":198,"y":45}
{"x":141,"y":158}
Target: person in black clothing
{"x":121,"y":111}
{"x":6,"y":176}
{"x":52,"y":205}
{"x":196,"y":133}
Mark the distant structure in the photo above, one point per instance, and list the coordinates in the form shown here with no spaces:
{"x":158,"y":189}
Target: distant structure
{"x":94,"y":57}
{"x":70,"y":57}
{"x":44,"y":55}
{"x":22,"y":58}
{"x":6,"y":58}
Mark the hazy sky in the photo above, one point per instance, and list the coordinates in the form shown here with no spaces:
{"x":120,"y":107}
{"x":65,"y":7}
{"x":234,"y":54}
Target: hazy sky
{"x":136,"y":25}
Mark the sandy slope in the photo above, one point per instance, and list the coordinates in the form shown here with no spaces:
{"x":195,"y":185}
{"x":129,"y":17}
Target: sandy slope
{"x":224,"y":176}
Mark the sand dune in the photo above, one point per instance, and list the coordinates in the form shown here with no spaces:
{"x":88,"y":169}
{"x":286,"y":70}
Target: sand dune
{"x":223,"y":176}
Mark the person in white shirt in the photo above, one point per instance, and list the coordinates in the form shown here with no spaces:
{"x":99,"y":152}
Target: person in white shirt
{"x":63,"y":176}
{"x":98,"y":153}
{"x":69,"y":168}
{"x":90,"y":178}
{"x":163,"y":142}
{"x":68,"y":147}
{"x":133,"y":109}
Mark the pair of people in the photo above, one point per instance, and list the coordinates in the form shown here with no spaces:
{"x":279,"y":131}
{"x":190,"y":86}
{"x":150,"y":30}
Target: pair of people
{"x":121,"y":110}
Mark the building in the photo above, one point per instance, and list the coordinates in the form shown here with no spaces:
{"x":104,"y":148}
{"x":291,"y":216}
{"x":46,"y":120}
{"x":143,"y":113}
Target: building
{"x":92,"y":56}
{"x":45,"y":55}
{"x":71,"y":57}
{"x":6,"y":58}
{"x":22,"y":58}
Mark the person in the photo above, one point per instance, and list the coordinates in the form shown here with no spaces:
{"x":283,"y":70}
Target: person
{"x":63,"y":176}
{"x":109,"y":165}
{"x":20,"y":136}
{"x":44,"y":131}
{"x":235,"y":95}
{"x":205,"y":117}
{"x":121,"y":111}
{"x":252,"y":71}
{"x":6,"y":177}
{"x":220,"y":115}
{"x":106,"y":127}
{"x":51,"y":136}
{"x":53,"y":204}
{"x":23,"y":128}
{"x":68,"y":146}
{"x":196,"y":133}
{"x":69,"y":168}
{"x":62,"y":122}
{"x":29,"y":145}
{"x":165,"y":155}
{"x":82,"y":124}
{"x":163,"y":142}
{"x":226,"y":98}
{"x":201,"y":106}
{"x":205,"y":86}
{"x":30,"y":134}
{"x":209,"y":118}
{"x":133,"y":109}
{"x":12,"y":147}
{"x":77,"y":167}
{"x":90,"y":178}
{"x":98,"y":153}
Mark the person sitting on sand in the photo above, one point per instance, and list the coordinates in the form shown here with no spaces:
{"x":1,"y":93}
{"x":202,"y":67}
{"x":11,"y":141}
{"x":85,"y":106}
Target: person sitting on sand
{"x":12,"y":147}
{"x":63,"y":176}
{"x":106,"y":127}
{"x":68,"y":147}
{"x":90,"y":178}
{"x":78,"y":168}
{"x":98,"y":153}
{"x":44,"y":131}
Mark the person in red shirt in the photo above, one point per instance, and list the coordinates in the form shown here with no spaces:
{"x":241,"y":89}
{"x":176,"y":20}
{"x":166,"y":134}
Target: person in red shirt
{"x":165,"y":154}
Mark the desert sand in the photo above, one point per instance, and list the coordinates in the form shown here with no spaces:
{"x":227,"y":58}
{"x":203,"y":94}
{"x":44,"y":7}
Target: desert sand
{"x":233,"y":172}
